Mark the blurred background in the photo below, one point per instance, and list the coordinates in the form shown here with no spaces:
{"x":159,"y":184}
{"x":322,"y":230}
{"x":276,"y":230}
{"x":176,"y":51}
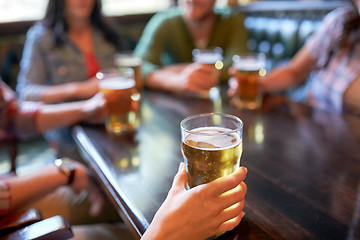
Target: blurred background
{"x":276,"y":28}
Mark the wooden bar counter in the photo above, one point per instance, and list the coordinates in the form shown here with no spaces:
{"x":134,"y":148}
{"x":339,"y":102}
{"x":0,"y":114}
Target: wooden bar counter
{"x":304,"y":166}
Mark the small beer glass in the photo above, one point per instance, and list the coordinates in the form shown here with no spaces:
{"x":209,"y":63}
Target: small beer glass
{"x":212,"y":57}
{"x":118,"y":87}
{"x":249,"y":69}
{"x":211,"y":145}
{"x":128,"y":59}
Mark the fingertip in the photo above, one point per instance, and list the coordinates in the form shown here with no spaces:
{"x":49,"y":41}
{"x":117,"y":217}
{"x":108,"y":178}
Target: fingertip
{"x":245,"y":169}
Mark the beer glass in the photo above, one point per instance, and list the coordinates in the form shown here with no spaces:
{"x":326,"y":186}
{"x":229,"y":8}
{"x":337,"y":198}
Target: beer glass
{"x":211,"y":57}
{"x":126,"y":60}
{"x":211,"y":145}
{"x":118,"y":87}
{"x":249,"y":69}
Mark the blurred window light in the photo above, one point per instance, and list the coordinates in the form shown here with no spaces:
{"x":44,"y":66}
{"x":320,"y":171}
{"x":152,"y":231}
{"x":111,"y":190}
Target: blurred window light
{"x":30,"y":10}
{"x":124,"y":7}
{"x":22,"y":10}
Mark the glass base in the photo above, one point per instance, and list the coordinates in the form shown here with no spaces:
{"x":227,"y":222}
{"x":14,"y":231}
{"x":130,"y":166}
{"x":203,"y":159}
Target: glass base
{"x":246,"y":104}
{"x":121,"y":124}
{"x":212,"y":94}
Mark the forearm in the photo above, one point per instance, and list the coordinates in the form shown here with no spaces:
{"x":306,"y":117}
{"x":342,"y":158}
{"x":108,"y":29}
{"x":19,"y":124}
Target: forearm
{"x":161,"y":80}
{"x":293,"y":74}
{"x":29,"y":188}
{"x":59,"y":115}
{"x":59,"y":93}
{"x":279,"y":79}
{"x":165,"y":78}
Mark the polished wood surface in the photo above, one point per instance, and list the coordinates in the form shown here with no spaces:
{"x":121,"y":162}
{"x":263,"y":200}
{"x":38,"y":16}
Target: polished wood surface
{"x":304,"y":166}
{"x":53,"y":228}
{"x":19,"y":219}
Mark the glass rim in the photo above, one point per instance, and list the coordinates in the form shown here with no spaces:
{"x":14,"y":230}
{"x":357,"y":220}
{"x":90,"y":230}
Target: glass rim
{"x":127,"y":58}
{"x":239,"y":56}
{"x":240,"y":125}
{"x":126,"y":72}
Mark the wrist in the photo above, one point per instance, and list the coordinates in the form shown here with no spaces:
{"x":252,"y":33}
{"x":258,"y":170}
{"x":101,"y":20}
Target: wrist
{"x":66,"y":167}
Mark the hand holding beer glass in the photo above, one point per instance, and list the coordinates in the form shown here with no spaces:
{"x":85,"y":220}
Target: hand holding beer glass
{"x":118,"y":87}
{"x":248,"y":68}
{"x":211,"y":146}
{"x":211,"y":57}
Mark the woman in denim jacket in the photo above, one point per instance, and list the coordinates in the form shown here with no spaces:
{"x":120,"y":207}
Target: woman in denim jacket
{"x":64,"y":51}
{"x":61,"y":56}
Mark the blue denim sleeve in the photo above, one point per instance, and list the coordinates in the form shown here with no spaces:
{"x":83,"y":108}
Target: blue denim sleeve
{"x":32,"y":75}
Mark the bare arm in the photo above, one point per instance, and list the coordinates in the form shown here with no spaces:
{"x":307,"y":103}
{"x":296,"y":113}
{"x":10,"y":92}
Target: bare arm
{"x":28,"y":188}
{"x":69,"y":91}
{"x":64,"y":114}
{"x":294,"y":73}
{"x":182,"y":78}
{"x":162,"y":79}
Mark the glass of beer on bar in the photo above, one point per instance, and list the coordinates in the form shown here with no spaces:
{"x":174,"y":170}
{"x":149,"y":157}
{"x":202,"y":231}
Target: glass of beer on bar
{"x":211,"y":146}
{"x":128,"y":59}
{"x":212,"y":57}
{"x":118,"y":87}
{"x":249,"y":69}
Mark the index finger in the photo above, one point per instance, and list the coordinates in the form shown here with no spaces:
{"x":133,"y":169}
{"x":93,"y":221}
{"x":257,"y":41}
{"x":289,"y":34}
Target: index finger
{"x":226,"y":183}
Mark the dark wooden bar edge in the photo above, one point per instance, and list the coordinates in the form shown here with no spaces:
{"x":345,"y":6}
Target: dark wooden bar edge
{"x":127,"y":211}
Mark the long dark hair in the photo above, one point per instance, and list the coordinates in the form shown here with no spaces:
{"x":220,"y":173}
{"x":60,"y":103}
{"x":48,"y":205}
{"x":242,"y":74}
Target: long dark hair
{"x":55,"y":20}
{"x":350,"y":33}
{"x":350,"y":25}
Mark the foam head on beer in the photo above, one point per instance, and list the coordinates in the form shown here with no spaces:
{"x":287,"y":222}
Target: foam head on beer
{"x":209,"y":56}
{"x":117,"y":83}
{"x":250,"y":64}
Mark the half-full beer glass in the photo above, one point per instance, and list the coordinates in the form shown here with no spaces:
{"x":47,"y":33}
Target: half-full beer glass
{"x":118,"y":87}
{"x":214,"y":58}
{"x":126,"y":60}
{"x":211,"y":146}
{"x":249,"y":68}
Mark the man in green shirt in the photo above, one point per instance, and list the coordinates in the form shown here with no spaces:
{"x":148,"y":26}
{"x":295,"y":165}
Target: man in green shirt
{"x":169,"y":38}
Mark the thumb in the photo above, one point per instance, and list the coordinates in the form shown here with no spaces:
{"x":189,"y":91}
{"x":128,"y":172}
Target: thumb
{"x":180,"y":179}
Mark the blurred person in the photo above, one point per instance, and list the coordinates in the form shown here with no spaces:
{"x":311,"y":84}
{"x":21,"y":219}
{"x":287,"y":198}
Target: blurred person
{"x":206,"y":206}
{"x":61,"y":56}
{"x":64,"y":51}
{"x":25,"y":119}
{"x":168,"y":40}
{"x":330,"y":60}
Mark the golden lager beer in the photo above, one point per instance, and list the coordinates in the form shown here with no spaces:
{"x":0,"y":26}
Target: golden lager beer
{"x":211,"y":146}
{"x":122,"y":103}
{"x":211,"y":154}
{"x":249,"y":69}
{"x":124,"y":60}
